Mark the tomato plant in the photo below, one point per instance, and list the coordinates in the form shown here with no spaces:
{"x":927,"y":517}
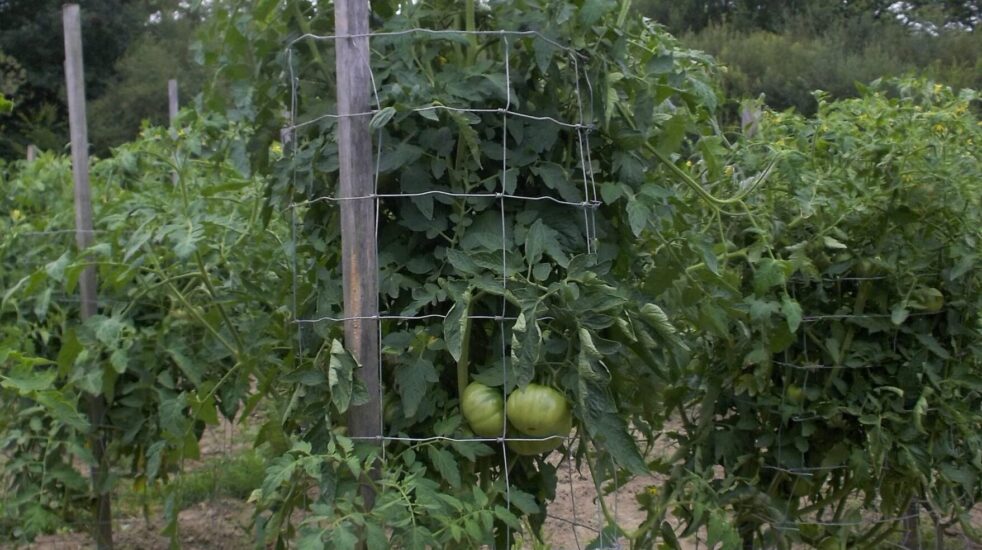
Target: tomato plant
{"x":186,"y":271}
{"x":527,"y":290}
{"x":837,"y":362}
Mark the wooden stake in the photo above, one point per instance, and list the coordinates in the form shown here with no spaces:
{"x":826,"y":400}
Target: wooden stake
{"x":358,"y":247}
{"x":32,"y":153}
{"x":172,"y":108}
{"x":75,"y":87}
{"x":172,"y":103}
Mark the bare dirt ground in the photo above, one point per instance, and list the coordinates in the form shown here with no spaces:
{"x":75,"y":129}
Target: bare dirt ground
{"x":215,"y":525}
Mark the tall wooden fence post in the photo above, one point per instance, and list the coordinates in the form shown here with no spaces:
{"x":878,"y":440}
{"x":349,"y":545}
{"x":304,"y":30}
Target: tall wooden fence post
{"x":172,"y":108}
{"x":358,"y":247}
{"x":75,"y":87}
{"x":172,"y":102}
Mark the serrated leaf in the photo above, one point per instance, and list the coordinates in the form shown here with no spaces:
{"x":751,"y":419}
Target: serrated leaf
{"x":454,"y":326}
{"x":656,"y":318}
{"x":593,"y":10}
{"x":932,"y":344}
{"x":462,"y":263}
{"x":791,"y":310}
{"x":610,"y":192}
{"x":526,"y":345}
{"x":606,"y":427}
{"x":525,"y":502}
{"x":190,"y":368}
{"x":771,"y":273}
{"x":375,"y":536}
{"x":544,"y":51}
{"x":413,"y":381}
{"x":279,"y":471}
{"x":56,"y":269}
{"x":185,"y":239}
{"x":340,"y":377}
{"x":171,"y":415}
{"x":761,"y":310}
{"x":637,"y":216}
{"x":756,"y":356}
{"x":472,"y":450}
{"x":509,"y":518}
{"x":342,"y":538}
{"x":62,"y":410}
{"x":721,"y":531}
{"x":587,"y":346}
{"x":898,"y":314}
{"x":311,"y":541}
{"x":535,"y":242}
{"x":468,"y":139}
{"x":445,"y":464}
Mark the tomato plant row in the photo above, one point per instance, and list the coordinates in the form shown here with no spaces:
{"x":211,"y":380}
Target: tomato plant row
{"x":797,"y":311}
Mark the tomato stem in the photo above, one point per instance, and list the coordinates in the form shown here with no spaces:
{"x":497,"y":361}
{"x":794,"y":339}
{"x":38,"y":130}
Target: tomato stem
{"x":470,"y":25}
{"x":463,"y":376}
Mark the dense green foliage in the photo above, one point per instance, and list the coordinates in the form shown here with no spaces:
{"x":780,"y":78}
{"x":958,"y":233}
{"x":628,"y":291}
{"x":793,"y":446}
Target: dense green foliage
{"x":838,"y":360}
{"x":131,"y":49}
{"x":682,"y":16}
{"x":793,"y":308}
{"x":574,"y":320}
{"x":186,"y":270}
{"x":786,"y":50}
{"x":833,"y":56}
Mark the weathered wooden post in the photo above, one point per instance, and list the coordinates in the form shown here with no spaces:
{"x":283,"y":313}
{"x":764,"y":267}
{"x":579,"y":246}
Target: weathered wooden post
{"x":75,"y":87}
{"x":32,"y":152}
{"x":172,"y":108}
{"x":358,"y":249}
{"x":172,"y":102}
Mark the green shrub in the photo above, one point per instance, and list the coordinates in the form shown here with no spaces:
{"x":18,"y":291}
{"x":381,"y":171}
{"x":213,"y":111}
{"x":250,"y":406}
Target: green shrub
{"x":787,"y":66}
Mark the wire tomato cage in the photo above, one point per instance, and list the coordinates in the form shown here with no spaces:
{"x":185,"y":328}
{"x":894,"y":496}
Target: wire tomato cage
{"x":580,"y":128}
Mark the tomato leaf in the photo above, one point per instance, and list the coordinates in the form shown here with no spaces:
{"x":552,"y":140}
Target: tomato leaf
{"x":413,"y":380}
{"x":445,"y":464}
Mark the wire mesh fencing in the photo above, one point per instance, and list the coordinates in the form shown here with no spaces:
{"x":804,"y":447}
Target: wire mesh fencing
{"x":582,"y":494}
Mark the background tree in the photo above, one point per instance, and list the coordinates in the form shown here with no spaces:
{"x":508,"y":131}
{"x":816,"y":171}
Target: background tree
{"x":139,"y":85}
{"x":786,"y":50}
{"x":31,"y":35}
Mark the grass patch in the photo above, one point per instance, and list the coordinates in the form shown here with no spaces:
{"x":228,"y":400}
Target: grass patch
{"x":232,"y":477}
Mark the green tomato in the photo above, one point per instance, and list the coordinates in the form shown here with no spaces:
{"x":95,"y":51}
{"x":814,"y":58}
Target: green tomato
{"x":830,"y":543}
{"x":928,"y":299}
{"x":539,"y":411}
{"x":484,"y":409}
{"x":532,"y":448}
{"x":795,"y":394}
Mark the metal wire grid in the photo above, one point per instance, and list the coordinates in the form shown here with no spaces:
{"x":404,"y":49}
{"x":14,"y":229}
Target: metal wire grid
{"x":588,"y":205}
{"x":799,"y":472}
{"x":225,"y":443}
